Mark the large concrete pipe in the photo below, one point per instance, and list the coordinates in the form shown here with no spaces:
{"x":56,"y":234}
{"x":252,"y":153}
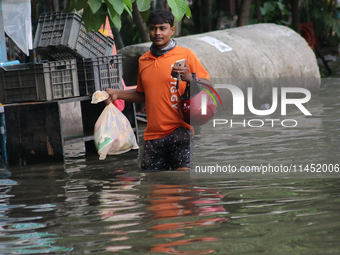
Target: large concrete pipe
{"x":244,"y":54}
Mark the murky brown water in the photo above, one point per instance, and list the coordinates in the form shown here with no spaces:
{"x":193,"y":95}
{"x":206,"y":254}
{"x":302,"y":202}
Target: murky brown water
{"x":87,"y":206}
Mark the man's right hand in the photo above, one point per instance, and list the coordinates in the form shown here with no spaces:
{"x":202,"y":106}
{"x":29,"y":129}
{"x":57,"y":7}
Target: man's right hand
{"x":113,"y":95}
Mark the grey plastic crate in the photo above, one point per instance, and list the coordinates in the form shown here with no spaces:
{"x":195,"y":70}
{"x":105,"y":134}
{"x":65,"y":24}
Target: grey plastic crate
{"x":39,"y":82}
{"x":99,"y":73}
{"x":62,"y":36}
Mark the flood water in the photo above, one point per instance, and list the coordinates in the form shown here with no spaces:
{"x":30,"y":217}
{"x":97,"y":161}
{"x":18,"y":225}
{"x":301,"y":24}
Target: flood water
{"x":87,"y":206}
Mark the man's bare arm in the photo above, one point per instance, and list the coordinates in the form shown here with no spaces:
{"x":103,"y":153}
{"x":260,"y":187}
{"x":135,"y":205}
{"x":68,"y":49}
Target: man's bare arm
{"x":127,"y":95}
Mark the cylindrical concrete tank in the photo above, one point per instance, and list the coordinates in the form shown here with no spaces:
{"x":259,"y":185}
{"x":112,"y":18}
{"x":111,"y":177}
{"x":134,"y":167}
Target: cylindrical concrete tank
{"x":250,"y":52}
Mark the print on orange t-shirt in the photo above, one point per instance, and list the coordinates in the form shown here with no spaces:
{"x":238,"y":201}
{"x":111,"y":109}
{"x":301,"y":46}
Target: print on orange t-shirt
{"x":161,"y":97}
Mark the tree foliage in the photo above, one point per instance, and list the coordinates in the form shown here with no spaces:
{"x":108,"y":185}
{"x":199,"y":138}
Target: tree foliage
{"x":96,"y":11}
{"x":325,"y":16}
{"x":275,"y":12}
{"x":123,"y":14}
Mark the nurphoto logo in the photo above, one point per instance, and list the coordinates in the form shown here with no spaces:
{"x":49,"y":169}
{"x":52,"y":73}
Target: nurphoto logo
{"x":239,"y":103}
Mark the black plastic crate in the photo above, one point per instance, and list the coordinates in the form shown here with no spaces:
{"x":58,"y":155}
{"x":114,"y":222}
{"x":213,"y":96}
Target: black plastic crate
{"x":62,"y":36}
{"x":39,"y":82}
{"x":99,"y":73}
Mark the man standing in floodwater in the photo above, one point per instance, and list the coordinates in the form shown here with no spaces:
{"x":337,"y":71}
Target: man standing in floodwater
{"x":167,"y":137}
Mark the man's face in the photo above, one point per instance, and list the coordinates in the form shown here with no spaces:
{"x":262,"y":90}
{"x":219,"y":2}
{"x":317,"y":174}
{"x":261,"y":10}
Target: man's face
{"x":160,"y":34}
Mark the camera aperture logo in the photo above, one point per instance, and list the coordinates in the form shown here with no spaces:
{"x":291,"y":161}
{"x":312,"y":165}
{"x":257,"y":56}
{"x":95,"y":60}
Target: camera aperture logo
{"x":239,"y":102}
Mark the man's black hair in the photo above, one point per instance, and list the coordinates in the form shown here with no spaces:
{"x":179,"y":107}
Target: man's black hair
{"x":161,"y":17}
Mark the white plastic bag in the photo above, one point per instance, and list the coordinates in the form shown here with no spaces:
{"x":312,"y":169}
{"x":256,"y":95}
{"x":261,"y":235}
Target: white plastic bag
{"x":113,"y":134}
{"x":17,"y":23}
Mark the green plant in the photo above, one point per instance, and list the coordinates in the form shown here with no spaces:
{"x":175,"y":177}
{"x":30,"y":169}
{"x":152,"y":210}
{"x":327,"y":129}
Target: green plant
{"x":275,"y":12}
{"x":95,"y":11}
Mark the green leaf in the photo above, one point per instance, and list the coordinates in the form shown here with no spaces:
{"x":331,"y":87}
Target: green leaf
{"x":102,"y":10}
{"x":128,"y":3}
{"x":118,"y":5}
{"x":269,"y":6}
{"x":99,"y":18}
{"x":143,"y":5}
{"x":114,"y":18}
{"x":109,"y":6}
{"x":280,"y":5}
{"x":128,"y":10}
{"x":97,"y":21}
{"x":178,"y":8}
{"x":188,"y":12}
{"x":79,"y":4}
{"x":263,"y":11}
{"x":94,"y":21}
{"x":86,"y":17}
{"x":95,"y":5}
{"x":145,"y":15}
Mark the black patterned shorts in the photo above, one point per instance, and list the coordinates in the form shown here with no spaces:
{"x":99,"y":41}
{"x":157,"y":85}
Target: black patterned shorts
{"x":169,"y":152}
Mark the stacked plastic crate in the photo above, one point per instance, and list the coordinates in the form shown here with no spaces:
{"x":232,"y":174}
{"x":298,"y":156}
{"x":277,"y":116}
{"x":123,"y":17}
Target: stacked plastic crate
{"x":76,"y":63}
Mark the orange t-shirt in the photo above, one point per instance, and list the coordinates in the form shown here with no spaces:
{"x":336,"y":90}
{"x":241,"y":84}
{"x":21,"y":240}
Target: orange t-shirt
{"x":161,"y":97}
